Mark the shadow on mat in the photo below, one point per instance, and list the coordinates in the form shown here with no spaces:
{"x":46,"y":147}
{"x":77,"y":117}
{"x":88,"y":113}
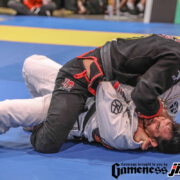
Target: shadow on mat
{"x":93,"y":151}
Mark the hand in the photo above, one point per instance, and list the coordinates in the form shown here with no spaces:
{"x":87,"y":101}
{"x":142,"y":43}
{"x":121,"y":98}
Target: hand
{"x":146,"y":144}
{"x":140,"y":135}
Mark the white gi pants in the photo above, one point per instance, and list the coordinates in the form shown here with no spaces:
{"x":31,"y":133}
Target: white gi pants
{"x":39,"y":73}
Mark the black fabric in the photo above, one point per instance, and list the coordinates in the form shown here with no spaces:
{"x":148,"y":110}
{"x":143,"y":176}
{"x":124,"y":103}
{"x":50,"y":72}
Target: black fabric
{"x":149,"y":63}
{"x":96,"y":6}
{"x":106,"y":61}
{"x":51,"y":6}
{"x":67,"y":103}
{"x":59,"y":3}
{"x":71,"y":5}
{"x":3,"y":3}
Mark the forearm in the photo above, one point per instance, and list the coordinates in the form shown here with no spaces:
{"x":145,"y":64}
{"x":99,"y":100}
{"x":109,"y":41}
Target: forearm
{"x":153,"y":83}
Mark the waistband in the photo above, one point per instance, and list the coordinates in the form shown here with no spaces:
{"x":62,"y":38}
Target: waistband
{"x":96,"y":70}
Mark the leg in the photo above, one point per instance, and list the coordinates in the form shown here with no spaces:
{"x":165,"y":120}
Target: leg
{"x":122,"y":3}
{"x":39,"y":73}
{"x":143,"y":2}
{"x":82,"y":9}
{"x":50,"y":7}
{"x":67,"y":103}
{"x":131,"y":4}
{"x":26,"y":112}
{"x":19,"y":7}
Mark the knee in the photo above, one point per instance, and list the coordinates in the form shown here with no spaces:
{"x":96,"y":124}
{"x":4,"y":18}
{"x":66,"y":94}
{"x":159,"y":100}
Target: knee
{"x":46,"y":149}
{"x":44,"y":146}
{"x":42,"y":143}
{"x":29,"y":63}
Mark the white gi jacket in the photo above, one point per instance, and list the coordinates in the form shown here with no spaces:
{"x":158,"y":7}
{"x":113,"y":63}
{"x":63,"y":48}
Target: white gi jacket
{"x":115,"y":118}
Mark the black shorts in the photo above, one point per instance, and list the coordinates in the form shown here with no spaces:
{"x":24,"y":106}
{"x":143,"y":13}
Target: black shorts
{"x":72,"y":88}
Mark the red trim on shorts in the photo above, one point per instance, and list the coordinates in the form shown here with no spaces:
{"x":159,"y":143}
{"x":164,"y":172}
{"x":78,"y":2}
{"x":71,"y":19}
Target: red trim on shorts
{"x":149,"y":117}
{"x":91,"y":90}
{"x":80,"y":75}
{"x":87,"y":79}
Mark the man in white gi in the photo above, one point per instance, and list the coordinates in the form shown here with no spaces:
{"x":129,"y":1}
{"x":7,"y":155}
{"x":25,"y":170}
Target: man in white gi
{"x":115,"y":122}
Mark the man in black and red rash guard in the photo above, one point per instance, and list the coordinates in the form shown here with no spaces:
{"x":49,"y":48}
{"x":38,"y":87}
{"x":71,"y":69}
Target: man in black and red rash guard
{"x":151,"y":64}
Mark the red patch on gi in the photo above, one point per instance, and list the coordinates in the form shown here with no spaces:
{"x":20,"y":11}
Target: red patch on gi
{"x":68,"y":83}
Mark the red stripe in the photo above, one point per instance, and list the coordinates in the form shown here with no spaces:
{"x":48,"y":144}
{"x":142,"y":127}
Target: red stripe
{"x":86,"y":78}
{"x":92,"y":91}
{"x":174,"y":167}
{"x":97,"y":75}
{"x":148,"y":117}
{"x":80,"y":75}
{"x":116,"y":85}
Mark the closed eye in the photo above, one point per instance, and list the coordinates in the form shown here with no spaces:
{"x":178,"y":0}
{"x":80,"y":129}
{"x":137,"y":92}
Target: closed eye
{"x":157,"y":127}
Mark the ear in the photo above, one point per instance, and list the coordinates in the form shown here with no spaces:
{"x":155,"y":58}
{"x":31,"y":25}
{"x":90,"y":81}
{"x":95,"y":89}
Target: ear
{"x":153,"y":142}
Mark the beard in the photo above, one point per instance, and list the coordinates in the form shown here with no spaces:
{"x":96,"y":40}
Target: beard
{"x":146,"y":125}
{"x":147,"y":122}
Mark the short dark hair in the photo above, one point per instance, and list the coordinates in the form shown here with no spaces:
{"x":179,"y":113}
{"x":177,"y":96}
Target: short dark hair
{"x":171,"y":146}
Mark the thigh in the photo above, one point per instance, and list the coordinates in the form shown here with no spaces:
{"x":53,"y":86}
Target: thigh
{"x":67,"y":103}
{"x":64,"y":110}
{"x":39,"y":73}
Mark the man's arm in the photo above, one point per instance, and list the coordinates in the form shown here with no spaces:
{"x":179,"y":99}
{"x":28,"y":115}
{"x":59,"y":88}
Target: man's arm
{"x":159,"y":78}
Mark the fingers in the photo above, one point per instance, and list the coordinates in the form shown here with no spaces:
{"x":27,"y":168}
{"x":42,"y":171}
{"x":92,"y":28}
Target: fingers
{"x":146,"y":144}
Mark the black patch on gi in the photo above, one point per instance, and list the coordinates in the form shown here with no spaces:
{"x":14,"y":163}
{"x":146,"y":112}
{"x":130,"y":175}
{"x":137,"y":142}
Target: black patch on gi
{"x":174,"y":107}
{"x":116,"y":106}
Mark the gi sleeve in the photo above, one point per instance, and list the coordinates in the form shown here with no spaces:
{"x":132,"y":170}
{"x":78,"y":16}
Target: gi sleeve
{"x":160,"y":77}
{"x":116,"y":119}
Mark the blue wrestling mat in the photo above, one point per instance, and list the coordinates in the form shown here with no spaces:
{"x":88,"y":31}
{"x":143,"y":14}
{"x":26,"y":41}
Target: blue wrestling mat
{"x":76,"y":160}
